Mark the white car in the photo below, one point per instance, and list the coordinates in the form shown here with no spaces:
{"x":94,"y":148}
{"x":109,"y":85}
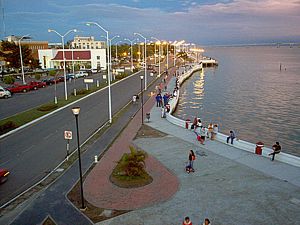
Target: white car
{"x":4,"y":93}
{"x":81,"y":74}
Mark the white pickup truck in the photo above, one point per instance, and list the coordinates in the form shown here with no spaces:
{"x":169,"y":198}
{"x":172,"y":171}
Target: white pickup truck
{"x":81,"y":74}
{"x":4,"y":93}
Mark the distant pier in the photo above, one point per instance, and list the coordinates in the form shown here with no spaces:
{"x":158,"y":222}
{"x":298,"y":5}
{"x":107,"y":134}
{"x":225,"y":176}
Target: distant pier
{"x":208,"y":62}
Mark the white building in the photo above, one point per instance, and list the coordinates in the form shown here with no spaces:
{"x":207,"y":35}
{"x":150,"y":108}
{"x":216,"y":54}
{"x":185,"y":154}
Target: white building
{"x":87,"y":43}
{"x":82,"y":58}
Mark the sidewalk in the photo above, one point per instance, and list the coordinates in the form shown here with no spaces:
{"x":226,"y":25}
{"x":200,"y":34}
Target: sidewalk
{"x":230,"y":186}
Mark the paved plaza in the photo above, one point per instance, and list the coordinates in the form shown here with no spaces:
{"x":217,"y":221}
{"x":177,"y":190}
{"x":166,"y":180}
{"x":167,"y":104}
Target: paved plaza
{"x":227,"y":189}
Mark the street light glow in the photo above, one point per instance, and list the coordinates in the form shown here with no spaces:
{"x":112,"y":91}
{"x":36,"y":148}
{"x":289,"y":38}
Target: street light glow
{"x":76,"y":110}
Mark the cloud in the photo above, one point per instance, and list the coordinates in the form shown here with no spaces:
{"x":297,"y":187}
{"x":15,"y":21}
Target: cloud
{"x":226,"y":21}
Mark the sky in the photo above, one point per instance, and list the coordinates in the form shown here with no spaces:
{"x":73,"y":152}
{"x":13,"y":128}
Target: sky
{"x":204,"y":22}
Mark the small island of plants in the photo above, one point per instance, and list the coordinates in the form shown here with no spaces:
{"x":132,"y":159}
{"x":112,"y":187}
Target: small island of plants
{"x":130,"y":170}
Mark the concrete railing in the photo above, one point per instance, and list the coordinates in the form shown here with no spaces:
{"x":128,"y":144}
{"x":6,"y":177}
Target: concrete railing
{"x":237,"y":143}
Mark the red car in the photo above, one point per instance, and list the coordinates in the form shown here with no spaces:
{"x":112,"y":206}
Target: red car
{"x":3,"y":175}
{"x":38,"y":84}
{"x":15,"y":88}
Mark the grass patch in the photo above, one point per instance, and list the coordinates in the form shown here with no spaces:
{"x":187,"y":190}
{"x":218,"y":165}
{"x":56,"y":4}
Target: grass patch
{"x":130,"y":170}
{"x":7,"y":126}
{"x":47,"y":107}
{"x":49,"y":221}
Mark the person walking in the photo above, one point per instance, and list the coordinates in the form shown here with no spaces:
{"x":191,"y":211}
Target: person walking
{"x":166,"y":99}
{"x":276,"y":150}
{"x":206,"y":222}
{"x":190,"y":166}
{"x":231,"y":137}
{"x":187,"y":221}
{"x":203,"y":134}
{"x":158,"y":100}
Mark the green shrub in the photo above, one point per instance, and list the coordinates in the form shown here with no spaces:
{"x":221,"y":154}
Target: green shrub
{"x":8,"y":79}
{"x":132,"y":164}
{"x":121,"y":76}
{"x":37,"y":76}
{"x":7,"y":126}
{"x":81,"y":92}
{"x":47,"y":107}
{"x":52,"y":73}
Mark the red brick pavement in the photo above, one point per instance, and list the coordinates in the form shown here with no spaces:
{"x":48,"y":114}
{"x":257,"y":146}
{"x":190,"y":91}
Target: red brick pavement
{"x":99,"y":191}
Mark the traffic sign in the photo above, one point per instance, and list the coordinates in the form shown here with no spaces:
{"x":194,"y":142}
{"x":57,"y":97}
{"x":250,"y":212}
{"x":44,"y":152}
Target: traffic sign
{"x":88,"y":81}
{"x":68,"y":135}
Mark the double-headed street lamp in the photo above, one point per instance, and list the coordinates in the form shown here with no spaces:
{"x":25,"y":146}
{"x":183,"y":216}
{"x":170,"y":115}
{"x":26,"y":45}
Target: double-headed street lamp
{"x":21,"y":57}
{"x":159,"y":53}
{"x":64,"y":59}
{"x":131,"y":52}
{"x":145,"y":57}
{"x":108,"y":67}
{"x":76,"y":111}
{"x":142,"y":98}
{"x":110,"y":41}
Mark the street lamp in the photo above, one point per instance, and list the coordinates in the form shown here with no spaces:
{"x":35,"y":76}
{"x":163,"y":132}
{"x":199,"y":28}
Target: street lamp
{"x":145,"y":57}
{"x":108,"y":67}
{"x":64,"y":59}
{"x":110,"y":41}
{"x":21,"y":58}
{"x":142,"y":98}
{"x":76,"y":111}
{"x":131,"y":52}
{"x":117,"y":50}
{"x":159,"y":53}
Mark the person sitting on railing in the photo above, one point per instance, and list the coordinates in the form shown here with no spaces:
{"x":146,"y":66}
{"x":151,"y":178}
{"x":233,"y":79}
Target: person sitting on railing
{"x":231,"y":136}
{"x":276,"y":150}
{"x":215,"y":132}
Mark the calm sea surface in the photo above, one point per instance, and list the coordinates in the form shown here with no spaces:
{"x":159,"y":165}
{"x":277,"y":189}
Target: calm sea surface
{"x":247,"y":92}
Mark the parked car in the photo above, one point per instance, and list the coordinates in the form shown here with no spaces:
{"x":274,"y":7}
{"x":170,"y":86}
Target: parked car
{"x":15,"y":88}
{"x":70,"y":76}
{"x":4,"y":93}
{"x":94,"y":70}
{"x":3,"y":175}
{"x":81,"y":74}
{"x":38,"y":84}
{"x":60,"y":79}
{"x":49,"y":81}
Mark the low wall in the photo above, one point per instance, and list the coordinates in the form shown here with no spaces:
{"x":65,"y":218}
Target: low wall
{"x":237,"y":143}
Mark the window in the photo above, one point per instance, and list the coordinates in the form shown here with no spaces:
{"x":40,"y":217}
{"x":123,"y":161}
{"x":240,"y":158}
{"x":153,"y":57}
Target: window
{"x":98,"y":57}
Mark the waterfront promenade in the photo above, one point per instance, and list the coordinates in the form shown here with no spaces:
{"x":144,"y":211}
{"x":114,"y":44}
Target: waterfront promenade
{"x":230,"y":186}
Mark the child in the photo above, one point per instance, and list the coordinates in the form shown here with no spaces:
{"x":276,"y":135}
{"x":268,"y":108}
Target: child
{"x":190,"y":167}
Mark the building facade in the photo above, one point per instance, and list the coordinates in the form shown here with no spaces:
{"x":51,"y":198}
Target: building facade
{"x":80,"y":58}
{"x":34,"y":46}
{"x":87,"y":43}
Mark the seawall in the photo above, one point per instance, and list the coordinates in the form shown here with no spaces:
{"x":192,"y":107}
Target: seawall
{"x":240,"y":144}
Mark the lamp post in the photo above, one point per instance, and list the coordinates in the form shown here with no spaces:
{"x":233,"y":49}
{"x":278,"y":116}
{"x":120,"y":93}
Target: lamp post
{"x":21,"y":57}
{"x":108,"y":67}
{"x":131,"y":52}
{"x":142,"y":98}
{"x":76,"y":111}
{"x":145,"y":57}
{"x":64,"y":59}
{"x":110,"y":41}
{"x":117,"y":50}
{"x":159,"y":53}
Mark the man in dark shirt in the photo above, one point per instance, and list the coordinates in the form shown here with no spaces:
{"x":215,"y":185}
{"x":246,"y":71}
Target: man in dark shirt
{"x":276,"y":150}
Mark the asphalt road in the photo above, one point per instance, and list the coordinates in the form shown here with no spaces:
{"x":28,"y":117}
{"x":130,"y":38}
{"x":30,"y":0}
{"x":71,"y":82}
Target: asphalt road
{"x":24,"y":101}
{"x":31,"y":153}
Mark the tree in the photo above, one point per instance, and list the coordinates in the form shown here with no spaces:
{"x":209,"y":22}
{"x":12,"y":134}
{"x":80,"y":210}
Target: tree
{"x":11,"y":53}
